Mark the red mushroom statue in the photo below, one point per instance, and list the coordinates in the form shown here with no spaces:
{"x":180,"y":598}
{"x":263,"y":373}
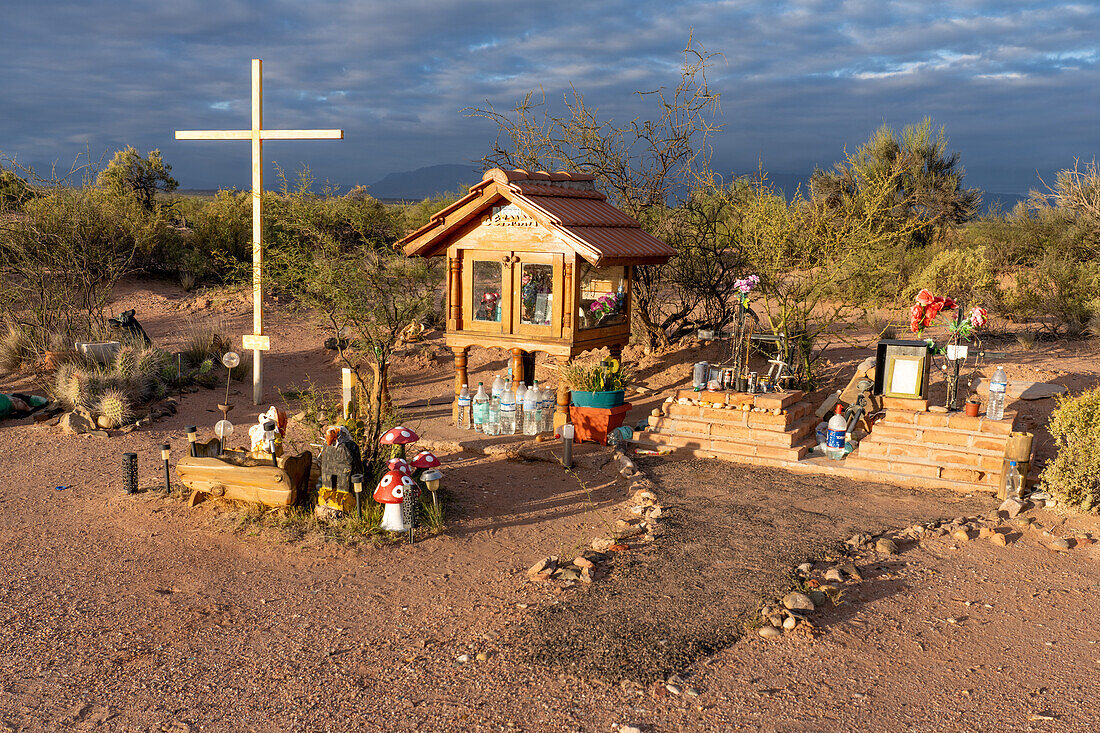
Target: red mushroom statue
{"x":399,"y":464}
{"x":425,"y":459}
{"x":400,"y":436}
{"x":391,"y":491}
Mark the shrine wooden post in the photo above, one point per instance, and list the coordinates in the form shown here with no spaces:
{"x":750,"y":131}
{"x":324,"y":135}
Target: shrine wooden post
{"x":257,"y":341}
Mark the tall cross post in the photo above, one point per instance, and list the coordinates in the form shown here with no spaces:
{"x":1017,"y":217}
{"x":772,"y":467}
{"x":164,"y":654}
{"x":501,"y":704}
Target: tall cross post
{"x":257,"y":341}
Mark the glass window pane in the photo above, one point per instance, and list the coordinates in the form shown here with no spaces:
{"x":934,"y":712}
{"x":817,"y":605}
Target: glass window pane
{"x":603,"y":296}
{"x":536,"y":294}
{"x":486,"y":291}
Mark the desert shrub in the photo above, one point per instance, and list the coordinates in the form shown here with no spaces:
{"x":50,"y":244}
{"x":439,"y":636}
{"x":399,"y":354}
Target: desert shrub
{"x":16,"y":348}
{"x":1062,"y":294}
{"x":1074,"y":474}
{"x":964,"y":273}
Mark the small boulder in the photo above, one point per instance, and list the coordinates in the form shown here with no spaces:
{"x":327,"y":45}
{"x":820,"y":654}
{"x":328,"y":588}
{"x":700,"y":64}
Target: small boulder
{"x":886,"y":546}
{"x":76,"y":423}
{"x":1012,"y":507}
{"x":961,"y":535}
{"x":998,"y":538}
{"x":1060,"y":544}
{"x":769,"y":632}
{"x":796,"y":601}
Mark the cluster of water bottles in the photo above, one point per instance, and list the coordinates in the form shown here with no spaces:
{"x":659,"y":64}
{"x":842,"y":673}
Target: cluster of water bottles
{"x":507,"y":409}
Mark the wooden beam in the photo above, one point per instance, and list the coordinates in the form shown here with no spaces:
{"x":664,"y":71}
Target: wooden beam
{"x":257,"y":227}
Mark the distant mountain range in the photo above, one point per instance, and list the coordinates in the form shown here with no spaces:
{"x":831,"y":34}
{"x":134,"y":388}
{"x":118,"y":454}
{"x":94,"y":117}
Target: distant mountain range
{"x":425,"y":182}
{"x":432,"y":180}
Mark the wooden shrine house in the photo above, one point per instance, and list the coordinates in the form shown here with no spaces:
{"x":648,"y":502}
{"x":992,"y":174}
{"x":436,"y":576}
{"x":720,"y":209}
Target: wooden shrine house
{"x":537,"y":262}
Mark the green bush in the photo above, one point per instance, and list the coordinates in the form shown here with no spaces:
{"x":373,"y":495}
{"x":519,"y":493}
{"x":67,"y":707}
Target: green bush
{"x":1074,"y":474}
{"x":1061,"y":293}
{"x":963,"y":273}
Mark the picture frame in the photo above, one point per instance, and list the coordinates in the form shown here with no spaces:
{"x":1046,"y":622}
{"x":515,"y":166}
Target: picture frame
{"x":904,"y":376}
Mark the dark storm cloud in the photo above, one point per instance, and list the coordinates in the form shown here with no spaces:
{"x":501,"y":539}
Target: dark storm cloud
{"x":1014,"y":82}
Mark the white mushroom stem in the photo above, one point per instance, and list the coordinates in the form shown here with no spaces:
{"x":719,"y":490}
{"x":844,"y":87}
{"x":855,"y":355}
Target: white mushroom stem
{"x":393,"y":519}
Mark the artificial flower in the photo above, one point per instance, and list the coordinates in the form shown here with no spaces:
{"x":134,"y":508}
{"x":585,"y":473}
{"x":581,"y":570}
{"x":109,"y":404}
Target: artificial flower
{"x":924,"y":297}
{"x":978,"y":317}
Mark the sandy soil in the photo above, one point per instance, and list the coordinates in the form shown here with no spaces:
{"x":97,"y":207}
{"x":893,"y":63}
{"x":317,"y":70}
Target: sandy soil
{"x":139,"y":614}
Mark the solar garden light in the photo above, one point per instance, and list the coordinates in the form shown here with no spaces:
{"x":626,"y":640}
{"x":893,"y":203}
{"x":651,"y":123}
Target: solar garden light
{"x":357,"y":487}
{"x":230,"y":359}
{"x":431,"y":479}
{"x":129,"y":472}
{"x":223,"y":429}
{"x":567,"y":445}
{"x":165,"y":452}
{"x":192,"y":437}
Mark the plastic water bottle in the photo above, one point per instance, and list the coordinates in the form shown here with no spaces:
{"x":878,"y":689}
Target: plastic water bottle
{"x":508,"y":412}
{"x":481,"y":409}
{"x":834,"y":442}
{"x":531,"y":415}
{"x":465,"y":419}
{"x":1014,"y":484}
{"x":521,"y":394}
{"x":997,"y":388}
{"x":492,"y":424}
{"x":547,"y":405}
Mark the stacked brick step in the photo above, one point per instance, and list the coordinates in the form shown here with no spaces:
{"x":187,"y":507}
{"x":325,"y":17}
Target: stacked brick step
{"x":762,"y":429}
{"x":936,"y":448}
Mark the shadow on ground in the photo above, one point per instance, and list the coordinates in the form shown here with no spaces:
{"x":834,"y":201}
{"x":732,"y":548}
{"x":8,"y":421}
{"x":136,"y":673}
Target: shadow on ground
{"x":732,"y":534}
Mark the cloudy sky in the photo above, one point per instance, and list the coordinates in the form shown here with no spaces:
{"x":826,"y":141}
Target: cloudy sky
{"x":1017,"y":84}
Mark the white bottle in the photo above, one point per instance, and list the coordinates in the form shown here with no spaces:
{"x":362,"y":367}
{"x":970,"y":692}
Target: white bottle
{"x":531,"y":410}
{"x":481,"y":409}
{"x":997,"y":388}
{"x":1014,"y":483}
{"x":492,"y":424}
{"x":521,"y":394}
{"x":465,"y":419}
{"x":548,"y":403}
{"x":508,"y":412}
{"x":838,"y":426}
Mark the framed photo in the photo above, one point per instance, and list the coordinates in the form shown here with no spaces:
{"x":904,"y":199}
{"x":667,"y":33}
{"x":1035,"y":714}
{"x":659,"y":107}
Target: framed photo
{"x":904,"y":376}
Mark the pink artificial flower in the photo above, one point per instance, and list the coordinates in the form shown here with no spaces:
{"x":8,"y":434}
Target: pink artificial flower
{"x":978,"y":317}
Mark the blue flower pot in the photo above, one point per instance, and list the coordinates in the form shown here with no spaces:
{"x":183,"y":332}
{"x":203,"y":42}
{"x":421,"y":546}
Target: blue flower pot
{"x":598,"y":399}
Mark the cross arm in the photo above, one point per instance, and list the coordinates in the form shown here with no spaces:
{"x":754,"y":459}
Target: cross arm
{"x":264,"y":134}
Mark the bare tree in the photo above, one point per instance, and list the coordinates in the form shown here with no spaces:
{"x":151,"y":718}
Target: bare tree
{"x":644,"y":166}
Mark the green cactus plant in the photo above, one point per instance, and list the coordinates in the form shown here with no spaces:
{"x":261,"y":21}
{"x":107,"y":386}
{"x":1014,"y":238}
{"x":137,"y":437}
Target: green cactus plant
{"x":125,"y":361}
{"x":71,"y":386}
{"x":114,"y":407}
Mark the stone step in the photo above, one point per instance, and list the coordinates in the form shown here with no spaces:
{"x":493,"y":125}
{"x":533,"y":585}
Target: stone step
{"x":980,"y":478}
{"x":722,"y":448}
{"x":742,"y":418}
{"x":732,"y":432}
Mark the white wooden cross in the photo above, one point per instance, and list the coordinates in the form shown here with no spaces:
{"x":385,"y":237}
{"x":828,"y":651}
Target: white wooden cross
{"x":257,"y":341}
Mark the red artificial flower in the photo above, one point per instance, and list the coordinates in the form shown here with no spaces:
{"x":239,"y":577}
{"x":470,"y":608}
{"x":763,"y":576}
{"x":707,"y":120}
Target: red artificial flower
{"x":932,"y":310}
{"x":924,"y":297}
{"x":949,"y":304}
{"x":916,"y":315}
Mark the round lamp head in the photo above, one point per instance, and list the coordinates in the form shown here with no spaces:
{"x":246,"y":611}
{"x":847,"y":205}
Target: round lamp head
{"x":223,"y":429}
{"x":231,"y":359}
{"x":431,"y":479}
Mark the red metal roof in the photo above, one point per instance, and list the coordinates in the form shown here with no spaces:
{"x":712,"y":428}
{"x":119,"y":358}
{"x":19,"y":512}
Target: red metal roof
{"x":567,"y":203}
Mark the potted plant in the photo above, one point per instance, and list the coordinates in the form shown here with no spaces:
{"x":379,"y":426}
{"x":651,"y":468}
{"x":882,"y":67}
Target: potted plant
{"x":597,"y":385}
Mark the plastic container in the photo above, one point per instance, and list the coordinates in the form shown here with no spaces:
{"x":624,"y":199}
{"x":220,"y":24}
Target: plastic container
{"x":465,"y":419}
{"x":698,"y":377}
{"x":521,"y":393}
{"x":1014,"y":482}
{"x":998,"y":386}
{"x":548,"y":403}
{"x":531,"y":416}
{"x":508,"y":412}
{"x":621,"y":434}
{"x":492,"y":424}
{"x":834,"y":441}
{"x":481,"y":409}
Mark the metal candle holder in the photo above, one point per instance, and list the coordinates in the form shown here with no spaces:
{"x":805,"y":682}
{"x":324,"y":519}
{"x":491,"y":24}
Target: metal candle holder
{"x":192,"y":438}
{"x":129,"y":472}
